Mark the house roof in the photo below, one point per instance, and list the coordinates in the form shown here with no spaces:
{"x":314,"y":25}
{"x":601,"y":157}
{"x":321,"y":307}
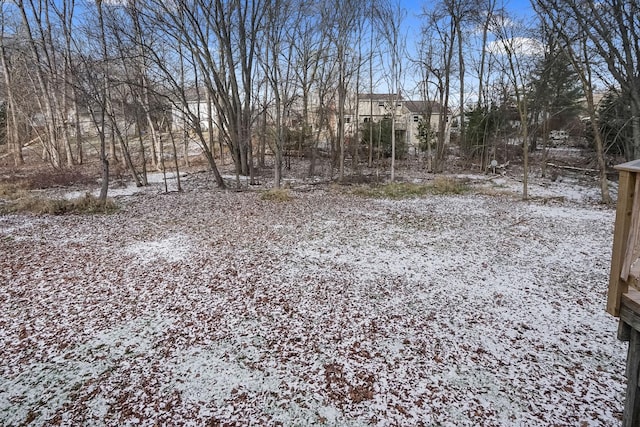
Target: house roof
{"x":421,"y":107}
{"x":417,"y":107}
{"x":380,"y":96}
{"x":195,"y":94}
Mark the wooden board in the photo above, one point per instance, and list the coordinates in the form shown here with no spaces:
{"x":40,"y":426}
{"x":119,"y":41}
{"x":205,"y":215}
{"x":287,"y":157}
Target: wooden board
{"x":631,"y":265}
{"x":630,"y":328}
{"x":631,"y":299}
{"x":631,"y":416}
{"x":617,"y":286}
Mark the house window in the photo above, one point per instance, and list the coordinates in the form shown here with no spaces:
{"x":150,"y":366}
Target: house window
{"x":366,"y":119}
{"x":416,"y":118}
{"x":380,"y":104}
{"x":398,"y":105}
{"x":347,"y":119}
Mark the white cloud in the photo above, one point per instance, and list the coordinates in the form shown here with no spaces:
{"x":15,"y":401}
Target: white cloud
{"x":516,"y":45}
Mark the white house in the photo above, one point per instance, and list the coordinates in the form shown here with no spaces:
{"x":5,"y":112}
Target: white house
{"x":183,"y":117}
{"x":409,"y":114}
{"x":369,"y":107}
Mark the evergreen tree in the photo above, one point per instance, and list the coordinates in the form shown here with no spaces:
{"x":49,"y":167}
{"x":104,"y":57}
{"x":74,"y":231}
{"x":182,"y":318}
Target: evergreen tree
{"x":615,"y":124}
{"x":556,"y":92}
{"x":382,"y":135}
{"x":480,"y":124}
{"x":426,"y":135}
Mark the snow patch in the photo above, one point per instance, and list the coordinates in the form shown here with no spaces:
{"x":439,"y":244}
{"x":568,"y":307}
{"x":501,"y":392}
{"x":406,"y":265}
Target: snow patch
{"x":172,"y":249}
{"x":47,"y":386}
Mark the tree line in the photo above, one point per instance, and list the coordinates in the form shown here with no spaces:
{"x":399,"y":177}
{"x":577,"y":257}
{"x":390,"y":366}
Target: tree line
{"x":247,"y":78}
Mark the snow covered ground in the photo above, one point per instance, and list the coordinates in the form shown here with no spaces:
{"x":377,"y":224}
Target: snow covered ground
{"x":220,"y":308}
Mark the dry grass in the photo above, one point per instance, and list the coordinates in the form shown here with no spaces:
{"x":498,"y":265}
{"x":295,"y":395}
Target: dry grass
{"x":13,"y":190}
{"x":42,"y":177}
{"x":16,"y":193}
{"x":394,"y":190}
{"x":87,"y":205}
{"x":48,"y":178}
{"x":277,"y":195}
{"x":405,"y":190}
{"x":448,"y":185}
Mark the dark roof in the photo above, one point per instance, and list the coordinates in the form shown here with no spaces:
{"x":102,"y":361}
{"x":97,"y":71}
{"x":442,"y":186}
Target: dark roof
{"x":417,"y":107}
{"x":421,"y":107}
{"x":380,"y":96}
{"x":194,"y":94}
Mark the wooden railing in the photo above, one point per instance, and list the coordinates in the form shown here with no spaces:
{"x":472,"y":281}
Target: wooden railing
{"x":623,"y":298}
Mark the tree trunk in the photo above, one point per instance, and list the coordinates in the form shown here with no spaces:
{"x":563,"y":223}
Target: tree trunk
{"x":76,"y":118}
{"x":372,"y":9}
{"x":105,"y":83}
{"x":145,"y":182}
{"x":13,"y":138}
{"x":126,"y":155}
{"x":635,"y":127}
{"x":341,"y":101}
{"x":64,"y":122}
{"x":393,"y":144}
{"x":525,"y":149}
{"x":175,"y":161}
{"x":462,"y":71}
{"x":49,"y":141}
{"x":278,"y":143}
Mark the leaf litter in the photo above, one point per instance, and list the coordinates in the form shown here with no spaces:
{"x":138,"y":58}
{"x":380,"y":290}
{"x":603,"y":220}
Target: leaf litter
{"x":219,"y":308}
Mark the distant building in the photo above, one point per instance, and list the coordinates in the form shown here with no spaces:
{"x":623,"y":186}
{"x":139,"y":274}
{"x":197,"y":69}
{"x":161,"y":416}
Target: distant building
{"x":197,"y":111}
{"x":409,"y":114}
{"x":369,"y":107}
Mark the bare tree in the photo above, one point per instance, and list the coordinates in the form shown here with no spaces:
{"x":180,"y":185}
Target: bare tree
{"x":574,"y":43}
{"x":372,"y":28}
{"x":613,"y":30}
{"x":103,"y":98}
{"x":340,"y":19}
{"x":178,"y":93}
{"x":390,"y":17}
{"x":66,"y":16}
{"x":277,"y":62}
{"x":480,"y":16}
{"x":121,"y":85}
{"x":221,"y":36}
{"x":512,"y":46}
{"x":439,"y":29}
{"x":325,"y":99}
{"x":310,"y":55}
{"x":462,"y":13}
{"x":143,"y":94}
{"x":37,"y":34}
{"x":487,"y":9}
{"x":12,"y":131}
{"x":423,"y":65}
